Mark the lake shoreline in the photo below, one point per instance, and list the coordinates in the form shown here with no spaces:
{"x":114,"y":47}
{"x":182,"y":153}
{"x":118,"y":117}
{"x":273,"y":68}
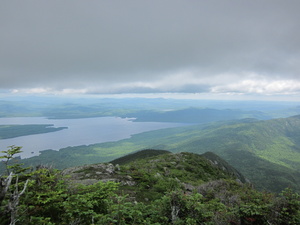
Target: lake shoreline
{"x":84,"y":131}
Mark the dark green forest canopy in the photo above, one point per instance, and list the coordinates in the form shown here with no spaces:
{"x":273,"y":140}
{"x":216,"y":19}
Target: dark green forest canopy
{"x":162,"y":188}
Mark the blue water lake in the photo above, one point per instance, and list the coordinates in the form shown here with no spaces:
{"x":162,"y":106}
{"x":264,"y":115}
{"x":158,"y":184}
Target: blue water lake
{"x":84,"y":131}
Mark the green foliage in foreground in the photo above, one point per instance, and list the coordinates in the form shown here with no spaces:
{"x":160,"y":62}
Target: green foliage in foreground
{"x":50,"y":198}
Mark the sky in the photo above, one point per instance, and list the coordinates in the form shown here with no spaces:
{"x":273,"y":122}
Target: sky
{"x":221,"y":48}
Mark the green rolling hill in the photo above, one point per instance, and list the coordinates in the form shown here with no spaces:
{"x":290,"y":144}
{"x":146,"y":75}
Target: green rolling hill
{"x":196,"y":115}
{"x":265,"y":152}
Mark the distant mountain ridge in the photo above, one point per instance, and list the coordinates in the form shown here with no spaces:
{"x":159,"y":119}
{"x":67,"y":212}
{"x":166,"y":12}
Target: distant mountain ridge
{"x":196,"y":115}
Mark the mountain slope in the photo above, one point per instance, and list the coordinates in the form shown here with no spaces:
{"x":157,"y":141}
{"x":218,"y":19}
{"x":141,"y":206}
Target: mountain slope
{"x":269,"y":150}
{"x":266,"y":152}
{"x":151,"y":176}
{"x":196,"y":115}
{"x":138,"y":155}
{"x":217,"y":161}
{"x":184,"y":188}
{"x":168,"y":188}
{"x":275,"y":140}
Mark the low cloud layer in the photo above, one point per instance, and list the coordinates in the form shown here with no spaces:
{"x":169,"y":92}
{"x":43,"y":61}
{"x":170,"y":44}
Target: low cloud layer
{"x":99,"y":47}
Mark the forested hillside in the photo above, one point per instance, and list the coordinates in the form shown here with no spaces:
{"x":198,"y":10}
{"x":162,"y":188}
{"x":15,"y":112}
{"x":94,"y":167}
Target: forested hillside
{"x":266,"y":152}
{"x":196,"y":115}
{"x":160,"y":188}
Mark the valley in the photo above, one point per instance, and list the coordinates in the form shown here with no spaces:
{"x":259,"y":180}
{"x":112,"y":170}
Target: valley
{"x":150,"y":112}
{"x":264,"y":148}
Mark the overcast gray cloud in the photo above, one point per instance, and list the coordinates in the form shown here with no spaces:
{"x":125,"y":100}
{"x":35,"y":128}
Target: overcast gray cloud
{"x":216,"y":46}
